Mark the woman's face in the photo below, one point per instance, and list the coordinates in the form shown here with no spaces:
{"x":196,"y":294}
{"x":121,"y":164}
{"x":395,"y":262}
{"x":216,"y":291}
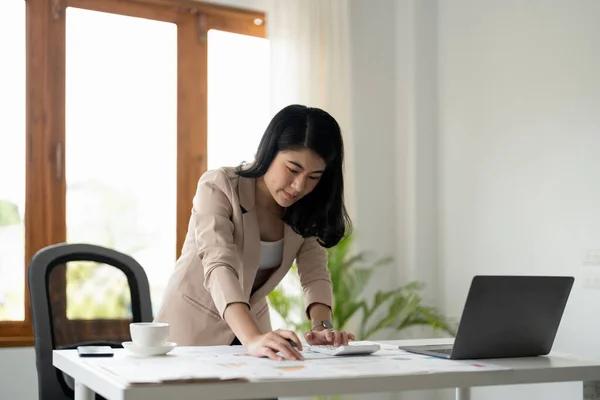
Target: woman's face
{"x":293,"y":174}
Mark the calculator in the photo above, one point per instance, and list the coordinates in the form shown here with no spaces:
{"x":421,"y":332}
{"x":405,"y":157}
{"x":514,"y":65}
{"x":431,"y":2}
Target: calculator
{"x":353,"y":348}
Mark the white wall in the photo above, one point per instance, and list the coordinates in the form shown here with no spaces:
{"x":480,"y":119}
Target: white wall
{"x":496,"y":121}
{"x":416,"y":182}
{"x":18,"y":376}
{"x":373,"y":123}
{"x":519,"y":143}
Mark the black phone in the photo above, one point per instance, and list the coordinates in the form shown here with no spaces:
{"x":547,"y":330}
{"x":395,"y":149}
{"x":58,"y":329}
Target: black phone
{"x":95,"y":351}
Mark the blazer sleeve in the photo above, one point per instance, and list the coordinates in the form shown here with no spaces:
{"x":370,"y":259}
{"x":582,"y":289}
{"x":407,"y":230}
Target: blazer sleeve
{"x":315,"y":277}
{"x":212,"y":211}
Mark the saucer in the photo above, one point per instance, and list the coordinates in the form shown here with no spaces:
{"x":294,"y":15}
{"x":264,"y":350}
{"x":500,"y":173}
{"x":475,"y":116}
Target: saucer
{"x":149,"y":351}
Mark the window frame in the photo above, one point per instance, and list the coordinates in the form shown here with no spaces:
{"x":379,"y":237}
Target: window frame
{"x":45,"y":184}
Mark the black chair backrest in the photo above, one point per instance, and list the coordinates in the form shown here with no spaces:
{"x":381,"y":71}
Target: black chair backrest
{"x":51,"y":382}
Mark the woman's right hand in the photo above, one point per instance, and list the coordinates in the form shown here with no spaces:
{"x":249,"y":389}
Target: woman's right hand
{"x":269,"y":344}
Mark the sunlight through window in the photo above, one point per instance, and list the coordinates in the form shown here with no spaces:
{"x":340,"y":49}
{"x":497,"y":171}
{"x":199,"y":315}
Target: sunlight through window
{"x":238,"y":97}
{"x":12,"y":161}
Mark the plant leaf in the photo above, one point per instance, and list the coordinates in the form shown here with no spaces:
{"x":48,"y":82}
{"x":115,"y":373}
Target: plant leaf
{"x":397,"y":309}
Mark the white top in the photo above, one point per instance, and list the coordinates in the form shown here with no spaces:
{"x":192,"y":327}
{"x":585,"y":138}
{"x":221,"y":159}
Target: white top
{"x":271,"y":254}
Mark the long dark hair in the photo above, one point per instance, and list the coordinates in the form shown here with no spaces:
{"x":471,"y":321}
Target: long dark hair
{"x":322,"y":212}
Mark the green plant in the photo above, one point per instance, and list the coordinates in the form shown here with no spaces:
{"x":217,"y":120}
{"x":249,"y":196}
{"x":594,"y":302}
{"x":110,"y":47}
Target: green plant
{"x":396,"y":309}
{"x":9,"y":213}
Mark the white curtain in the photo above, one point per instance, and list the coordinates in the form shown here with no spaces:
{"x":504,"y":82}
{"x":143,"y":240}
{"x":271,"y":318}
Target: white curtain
{"x":310,"y":63}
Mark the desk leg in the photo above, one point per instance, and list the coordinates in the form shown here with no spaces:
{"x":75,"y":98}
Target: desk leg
{"x":83,"y":392}
{"x":591,"y":390}
{"x":464,"y":393}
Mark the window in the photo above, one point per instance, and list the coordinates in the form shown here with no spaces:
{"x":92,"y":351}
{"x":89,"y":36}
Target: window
{"x":12,"y":161}
{"x":117,"y":138}
{"x":123,"y":193}
{"x":238,"y":81}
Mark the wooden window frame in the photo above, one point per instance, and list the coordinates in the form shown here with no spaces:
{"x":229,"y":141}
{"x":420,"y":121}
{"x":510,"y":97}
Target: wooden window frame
{"x":45,"y":198}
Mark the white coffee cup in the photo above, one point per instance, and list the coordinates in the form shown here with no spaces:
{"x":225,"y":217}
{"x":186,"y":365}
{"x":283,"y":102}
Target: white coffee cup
{"x":149,"y":334}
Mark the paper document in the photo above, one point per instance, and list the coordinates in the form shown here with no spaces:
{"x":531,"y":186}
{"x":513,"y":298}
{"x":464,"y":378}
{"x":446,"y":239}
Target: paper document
{"x":214,"y":363}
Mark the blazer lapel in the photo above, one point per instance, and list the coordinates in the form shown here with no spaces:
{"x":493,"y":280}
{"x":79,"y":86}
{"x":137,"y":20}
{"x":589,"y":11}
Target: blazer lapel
{"x":291,"y":244}
{"x":251,"y":233}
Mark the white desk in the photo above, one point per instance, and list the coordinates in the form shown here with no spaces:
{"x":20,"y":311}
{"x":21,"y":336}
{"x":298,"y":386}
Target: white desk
{"x":553,"y":368}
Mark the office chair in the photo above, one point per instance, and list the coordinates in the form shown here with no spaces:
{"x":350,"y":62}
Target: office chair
{"x":48,"y":298}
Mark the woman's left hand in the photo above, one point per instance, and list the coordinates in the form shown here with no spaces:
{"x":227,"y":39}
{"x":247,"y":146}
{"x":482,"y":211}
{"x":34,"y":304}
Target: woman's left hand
{"x":327,"y":337}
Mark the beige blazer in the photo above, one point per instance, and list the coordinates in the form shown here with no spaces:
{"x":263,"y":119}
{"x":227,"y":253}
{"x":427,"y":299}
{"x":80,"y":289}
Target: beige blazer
{"x":219,"y":261}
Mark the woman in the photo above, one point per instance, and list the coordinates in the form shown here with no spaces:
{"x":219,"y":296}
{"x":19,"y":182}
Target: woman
{"x":247,"y":227}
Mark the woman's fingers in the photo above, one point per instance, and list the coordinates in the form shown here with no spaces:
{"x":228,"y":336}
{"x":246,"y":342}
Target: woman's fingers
{"x":290,"y":335}
{"x":310,"y":337}
{"x":344,"y":335}
{"x":324,"y":337}
{"x":280,"y":343}
{"x":287,"y":351}
{"x":337,"y":338}
{"x":271,"y":354}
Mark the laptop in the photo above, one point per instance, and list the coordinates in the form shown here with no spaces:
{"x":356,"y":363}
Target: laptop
{"x":506,"y":316}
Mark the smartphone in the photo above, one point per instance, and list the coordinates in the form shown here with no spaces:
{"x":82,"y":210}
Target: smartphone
{"x":95,"y":351}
